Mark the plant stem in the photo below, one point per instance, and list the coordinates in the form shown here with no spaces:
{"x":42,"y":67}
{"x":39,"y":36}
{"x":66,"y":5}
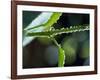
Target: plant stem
{"x":61,"y":53}
{"x":54,"y":40}
{"x":59,"y":31}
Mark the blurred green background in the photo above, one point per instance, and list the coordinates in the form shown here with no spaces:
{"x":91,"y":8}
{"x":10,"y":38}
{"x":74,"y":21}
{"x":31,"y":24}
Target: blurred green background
{"x":42,"y":52}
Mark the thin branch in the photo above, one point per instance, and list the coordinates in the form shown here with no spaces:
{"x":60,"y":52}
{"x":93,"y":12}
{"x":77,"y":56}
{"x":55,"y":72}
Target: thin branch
{"x":59,"y":31}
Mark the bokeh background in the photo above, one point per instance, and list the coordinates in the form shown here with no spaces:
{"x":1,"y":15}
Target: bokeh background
{"x":42,"y":52}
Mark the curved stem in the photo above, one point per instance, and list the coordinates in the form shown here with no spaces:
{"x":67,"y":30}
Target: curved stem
{"x":54,"y":40}
{"x":61,"y":53}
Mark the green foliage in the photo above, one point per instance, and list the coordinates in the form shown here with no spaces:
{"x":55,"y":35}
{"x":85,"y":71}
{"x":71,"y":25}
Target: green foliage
{"x":38,"y":20}
{"x":53,"y":19}
{"x":50,"y":32}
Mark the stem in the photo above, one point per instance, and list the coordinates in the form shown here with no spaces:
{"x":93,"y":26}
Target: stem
{"x":61,"y":53}
{"x":59,"y":31}
{"x":54,"y":40}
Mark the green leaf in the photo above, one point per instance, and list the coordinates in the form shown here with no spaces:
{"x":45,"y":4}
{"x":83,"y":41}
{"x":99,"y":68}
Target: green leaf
{"x":61,"y":57}
{"x":43,"y":22}
{"x":53,"y":19}
{"x":42,"y":18}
